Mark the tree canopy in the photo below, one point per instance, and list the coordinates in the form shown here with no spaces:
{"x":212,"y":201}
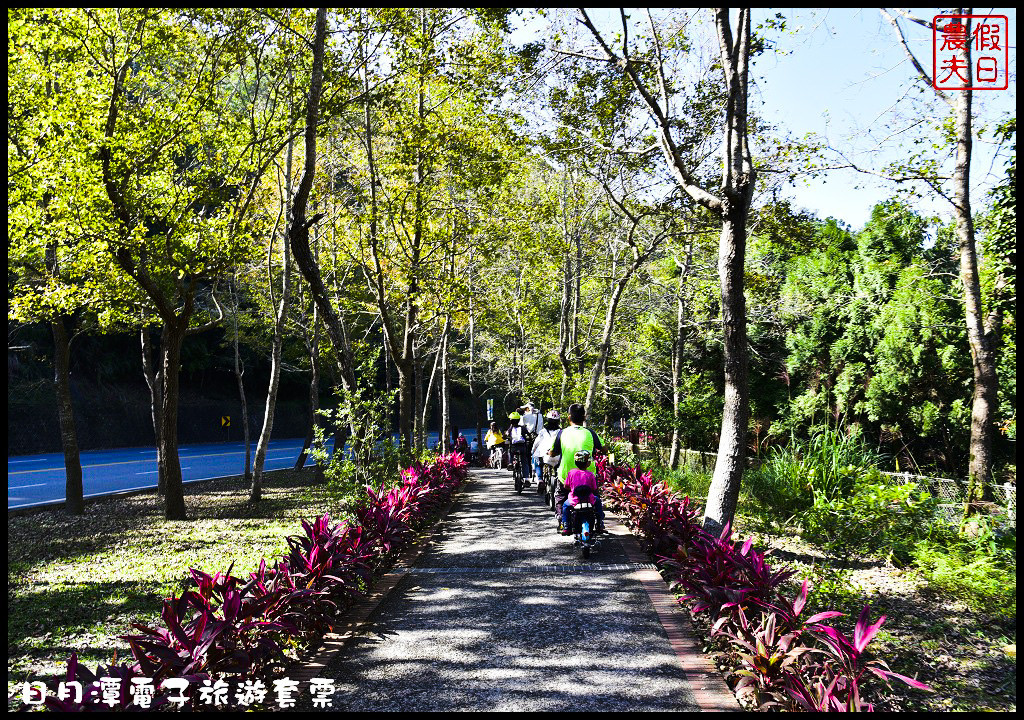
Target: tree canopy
{"x":588,"y":214}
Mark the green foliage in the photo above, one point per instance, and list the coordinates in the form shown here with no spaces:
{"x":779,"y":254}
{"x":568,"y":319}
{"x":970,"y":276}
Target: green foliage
{"x":875,"y":337}
{"x":999,"y":276}
{"x":878,"y":517}
{"x":829,"y":462}
{"x":684,"y":482}
{"x":779,"y":485}
{"x":832,"y":588}
{"x":981,"y":570}
{"x":380,"y":459}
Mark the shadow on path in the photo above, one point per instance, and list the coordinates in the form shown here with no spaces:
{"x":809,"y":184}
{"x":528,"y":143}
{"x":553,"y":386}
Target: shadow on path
{"x":477,"y":638}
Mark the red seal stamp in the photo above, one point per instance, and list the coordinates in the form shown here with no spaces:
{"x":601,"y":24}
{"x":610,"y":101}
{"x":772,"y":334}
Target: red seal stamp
{"x":970,"y":52}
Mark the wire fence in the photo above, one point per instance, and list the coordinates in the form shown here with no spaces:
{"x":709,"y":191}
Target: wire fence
{"x":950,"y":493}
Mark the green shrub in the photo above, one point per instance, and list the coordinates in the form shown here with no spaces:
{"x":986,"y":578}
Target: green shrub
{"x":689,"y":483}
{"x":832,"y":588}
{"x":380,"y":460}
{"x":824,"y":467}
{"x":986,"y":583}
{"x":624,"y":454}
{"x":779,"y":486}
{"x":878,"y":516}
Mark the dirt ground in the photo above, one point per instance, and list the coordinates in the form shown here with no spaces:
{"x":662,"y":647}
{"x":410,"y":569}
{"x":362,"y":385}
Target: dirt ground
{"x":968,"y":659}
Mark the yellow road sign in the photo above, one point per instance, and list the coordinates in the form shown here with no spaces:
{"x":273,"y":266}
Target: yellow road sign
{"x":225,"y":421}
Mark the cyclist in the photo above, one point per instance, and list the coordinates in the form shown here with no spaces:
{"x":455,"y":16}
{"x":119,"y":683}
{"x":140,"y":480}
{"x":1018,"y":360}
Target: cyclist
{"x":582,"y":487}
{"x":531,"y":421}
{"x":572,"y":440}
{"x":552,"y":423}
{"x":519,"y":445}
{"x":492,"y":441}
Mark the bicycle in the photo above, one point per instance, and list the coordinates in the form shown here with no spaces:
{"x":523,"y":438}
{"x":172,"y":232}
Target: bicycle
{"x":516,"y":463}
{"x":548,"y":474}
{"x":494,"y":461}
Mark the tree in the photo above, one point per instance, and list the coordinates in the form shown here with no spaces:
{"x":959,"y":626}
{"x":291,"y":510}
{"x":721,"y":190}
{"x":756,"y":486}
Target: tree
{"x":731,"y":205}
{"x":57,"y":273}
{"x":43,"y":286}
{"x":166,"y":152}
{"x":425,"y":140}
{"x":983,"y":331}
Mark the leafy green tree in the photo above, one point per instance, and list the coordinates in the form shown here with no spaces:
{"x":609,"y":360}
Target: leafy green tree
{"x":58,"y":272}
{"x":164,"y":150}
{"x":873,"y":339}
{"x":983,"y":330}
{"x":731,"y":204}
{"x":1000,"y":275}
{"x":427,"y":140}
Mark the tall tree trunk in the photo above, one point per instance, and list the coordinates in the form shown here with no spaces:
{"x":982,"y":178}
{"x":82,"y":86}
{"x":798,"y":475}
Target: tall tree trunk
{"x":155,"y":383}
{"x":605,"y":346}
{"x":239,"y":372}
{"x":678,"y":344}
{"x":737,"y":192}
{"x":419,"y":434}
{"x":981,"y":340}
{"x":445,"y":435}
{"x":731,"y":207}
{"x":474,"y":397}
{"x":725,"y":484}
{"x":577,"y":306}
{"x":298,"y":224}
{"x":982,"y":335}
{"x":565,"y":323}
{"x":256,"y":489}
{"x":406,"y":393}
{"x":314,"y":394}
{"x":74,"y":502}
{"x":171,"y":339}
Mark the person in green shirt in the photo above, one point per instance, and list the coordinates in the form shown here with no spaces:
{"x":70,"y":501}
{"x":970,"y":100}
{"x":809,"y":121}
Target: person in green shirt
{"x":570,"y":441}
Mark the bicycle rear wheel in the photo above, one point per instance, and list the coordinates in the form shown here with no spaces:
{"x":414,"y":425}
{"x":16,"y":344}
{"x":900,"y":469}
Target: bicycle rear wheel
{"x":517,"y":475}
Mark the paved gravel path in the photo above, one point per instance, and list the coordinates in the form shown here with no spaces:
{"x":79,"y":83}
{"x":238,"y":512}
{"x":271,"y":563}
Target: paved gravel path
{"x":503,"y":614}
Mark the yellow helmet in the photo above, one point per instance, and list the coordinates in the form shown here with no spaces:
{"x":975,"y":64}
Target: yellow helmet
{"x":514,"y":415}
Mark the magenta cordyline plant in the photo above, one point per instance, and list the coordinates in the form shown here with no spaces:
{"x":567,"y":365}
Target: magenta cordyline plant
{"x":386,"y":517}
{"x":91,"y":698}
{"x":781,"y":664}
{"x":835,"y":681}
{"x":771,"y":648}
{"x":227,"y":626}
{"x":718,"y":577}
{"x":766,"y":652}
{"x":199,"y":637}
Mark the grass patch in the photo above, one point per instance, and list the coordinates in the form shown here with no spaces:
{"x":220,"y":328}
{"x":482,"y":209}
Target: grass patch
{"x":980,"y":581}
{"x":75,"y":583}
{"x":693,"y":484}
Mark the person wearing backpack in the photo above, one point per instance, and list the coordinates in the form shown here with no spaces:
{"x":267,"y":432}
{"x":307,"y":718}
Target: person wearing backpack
{"x":519,"y":445}
{"x":462,"y":446}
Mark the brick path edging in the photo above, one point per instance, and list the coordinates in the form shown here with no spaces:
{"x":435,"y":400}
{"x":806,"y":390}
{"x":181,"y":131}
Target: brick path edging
{"x":709,"y":688}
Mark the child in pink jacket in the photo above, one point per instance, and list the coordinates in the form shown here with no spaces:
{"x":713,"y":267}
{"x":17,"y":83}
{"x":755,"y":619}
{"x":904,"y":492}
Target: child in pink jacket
{"x":581,"y":484}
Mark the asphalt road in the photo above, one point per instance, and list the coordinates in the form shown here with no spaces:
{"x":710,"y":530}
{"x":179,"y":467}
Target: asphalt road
{"x":40,"y":479}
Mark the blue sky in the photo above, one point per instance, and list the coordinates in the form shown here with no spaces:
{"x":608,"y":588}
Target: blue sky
{"x":845,"y":72}
{"x":841,"y":73}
